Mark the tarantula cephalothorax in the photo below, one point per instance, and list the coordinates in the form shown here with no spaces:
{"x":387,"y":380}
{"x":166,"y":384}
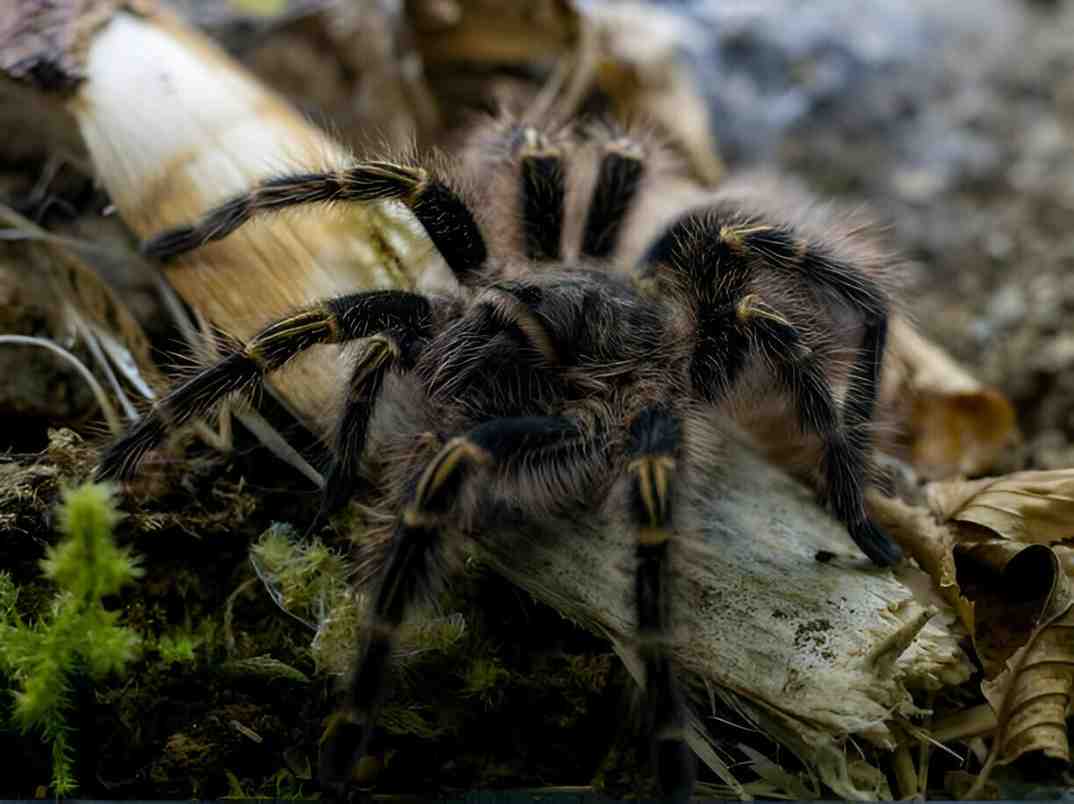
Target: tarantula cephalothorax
{"x":542,"y":382}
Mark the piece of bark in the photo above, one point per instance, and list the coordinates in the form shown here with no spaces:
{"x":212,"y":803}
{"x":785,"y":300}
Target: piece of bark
{"x":173,"y":127}
{"x":43,"y":42}
{"x":777,"y":604}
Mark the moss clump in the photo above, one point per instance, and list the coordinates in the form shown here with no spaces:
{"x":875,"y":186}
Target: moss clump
{"x":177,"y":649}
{"x":485,"y":680}
{"x":78,"y":636}
{"x":311,"y":582}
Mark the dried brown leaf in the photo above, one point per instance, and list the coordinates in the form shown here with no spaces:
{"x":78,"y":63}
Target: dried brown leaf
{"x":1018,"y":600}
{"x":1024,"y":636}
{"x":930,"y":543}
{"x":1009,"y":586}
{"x":1032,"y":695}
{"x":956,"y":425}
{"x":1028,"y":507}
{"x":958,"y":783}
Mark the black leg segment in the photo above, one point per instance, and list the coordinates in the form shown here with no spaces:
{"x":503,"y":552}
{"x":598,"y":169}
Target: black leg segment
{"x":412,"y":561}
{"x":653,"y":454}
{"x":618,"y":179}
{"x":391,"y":350}
{"x":332,"y":321}
{"x":713,"y":254}
{"x":448,"y":221}
{"x":542,"y":194}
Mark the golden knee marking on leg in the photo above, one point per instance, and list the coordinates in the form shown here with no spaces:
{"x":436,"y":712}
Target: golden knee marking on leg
{"x":535,"y":145}
{"x":734,"y":237}
{"x":380,"y":349}
{"x":335,"y":333}
{"x":650,"y":537}
{"x":654,"y":486}
{"x":253,"y":352}
{"x":414,"y":518}
{"x":458,"y":452}
{"x":753,"y":306}
{"x":511,"y":310}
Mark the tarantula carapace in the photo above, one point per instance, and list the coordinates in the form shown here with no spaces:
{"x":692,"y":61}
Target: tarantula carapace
{"x":555,"y":373}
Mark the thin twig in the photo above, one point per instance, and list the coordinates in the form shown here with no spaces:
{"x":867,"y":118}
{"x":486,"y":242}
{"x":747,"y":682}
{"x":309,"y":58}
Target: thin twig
{"x":110,"y":415}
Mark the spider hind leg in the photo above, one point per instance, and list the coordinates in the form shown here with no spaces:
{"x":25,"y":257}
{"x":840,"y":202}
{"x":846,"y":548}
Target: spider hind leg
{"x":438,"y":207}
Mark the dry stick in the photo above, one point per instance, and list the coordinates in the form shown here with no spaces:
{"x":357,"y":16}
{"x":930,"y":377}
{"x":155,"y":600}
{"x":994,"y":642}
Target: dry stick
{"x":268,"y":435}
{"x":98,"y":355}
{"x":925,"y":755}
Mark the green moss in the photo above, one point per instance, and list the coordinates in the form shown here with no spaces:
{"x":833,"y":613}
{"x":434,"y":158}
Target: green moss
{"x":265,"y":668}
{"x":78,"y":635}
{"x":179,"y":648}
{"x":485,"y":681}
{"x":413,"y":719}
{"x":312,"y":583}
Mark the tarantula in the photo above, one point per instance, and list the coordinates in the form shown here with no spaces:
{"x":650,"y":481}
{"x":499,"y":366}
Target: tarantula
{"x":552,"y":374}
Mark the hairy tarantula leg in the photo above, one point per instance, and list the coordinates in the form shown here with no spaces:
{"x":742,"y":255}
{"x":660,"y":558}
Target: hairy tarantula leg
{"x":718,"y":268}
{"x":332,"y":321}
{"x":798,"y":369}
{"x":383,"y":353}
{"x":779,"y":246}
{"x":655,"y":443}
{"x":446,"y":218}
{"x":412,"y":559}
{"x":618,"y":179}
{"x":542,"y":194}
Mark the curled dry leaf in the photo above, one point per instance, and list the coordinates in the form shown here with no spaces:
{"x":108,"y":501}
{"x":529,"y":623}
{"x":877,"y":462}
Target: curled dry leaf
{"x":632,"y":52}
{"x":1022,"y":620}
{"x":639,"y":64}
{"x":1032,"y":694}
{"x":990,"y":547}
{"x":1008,"y":586}
{"x":956,"y":425}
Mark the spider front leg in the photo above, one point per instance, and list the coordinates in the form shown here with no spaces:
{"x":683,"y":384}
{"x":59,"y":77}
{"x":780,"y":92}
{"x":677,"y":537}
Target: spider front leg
{"x":412,"y":560}
{"x":383,"y":353}
{"x":333,"y":321}
{"x":543,"y":166}
{"x":619,"y":177}
{"x":652,"y":472}
{"x":542,"y":193}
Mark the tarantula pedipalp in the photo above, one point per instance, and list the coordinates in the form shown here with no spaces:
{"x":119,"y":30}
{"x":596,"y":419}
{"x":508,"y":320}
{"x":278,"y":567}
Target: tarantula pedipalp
{"x":543,"y":382}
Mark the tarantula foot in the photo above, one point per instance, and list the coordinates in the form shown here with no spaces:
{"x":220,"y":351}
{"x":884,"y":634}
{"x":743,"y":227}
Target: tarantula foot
{"x":875,"y":543}
{"x":342,"y":748}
